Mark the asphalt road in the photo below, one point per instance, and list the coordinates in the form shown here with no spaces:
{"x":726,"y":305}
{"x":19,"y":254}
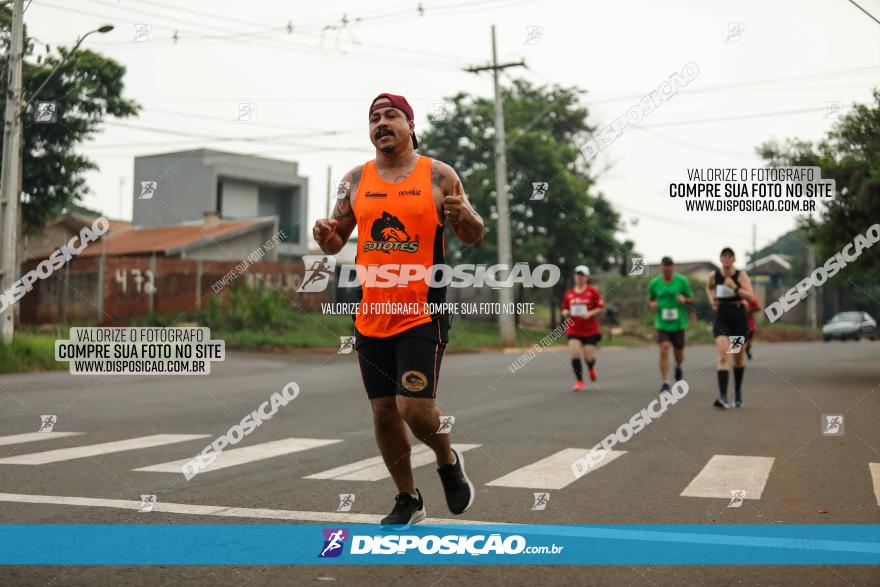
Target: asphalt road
{"x":515,"y":419}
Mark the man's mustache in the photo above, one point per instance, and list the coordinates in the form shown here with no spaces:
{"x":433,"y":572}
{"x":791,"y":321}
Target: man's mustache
{"x":383,"y":132}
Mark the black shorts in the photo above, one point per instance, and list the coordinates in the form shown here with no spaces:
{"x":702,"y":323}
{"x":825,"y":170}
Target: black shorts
{"x":405,"y":364}
{"x":730,"y":320}
{"x":676,"y":337}
{"x":592,"y":340}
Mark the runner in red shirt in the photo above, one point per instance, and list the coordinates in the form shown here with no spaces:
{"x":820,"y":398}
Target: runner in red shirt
{"x":583,"y":303}
{"x":752,"y":307}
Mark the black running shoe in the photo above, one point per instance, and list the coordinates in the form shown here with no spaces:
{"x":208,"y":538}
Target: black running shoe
{"x":664,"y":387}
{"x":458,"y":488}
{"x":720,"y":403}
{"x":738,"y":403}
{"x":679,"y":374}
{"x":407,"y":510}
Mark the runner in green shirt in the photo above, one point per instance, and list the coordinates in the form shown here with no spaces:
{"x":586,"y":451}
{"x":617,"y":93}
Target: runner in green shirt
{"x":667,"y":295}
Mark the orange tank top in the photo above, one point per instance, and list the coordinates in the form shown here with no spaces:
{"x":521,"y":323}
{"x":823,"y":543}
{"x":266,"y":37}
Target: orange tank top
{"x":397,"y":225}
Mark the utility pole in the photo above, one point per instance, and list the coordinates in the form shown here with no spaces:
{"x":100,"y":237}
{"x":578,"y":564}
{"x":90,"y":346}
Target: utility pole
{"x":811,"y":299}
{"x":506,"y":322}
{"x":10,"y":169}
{"x":327,"y":204}
{"x":754,"y":241}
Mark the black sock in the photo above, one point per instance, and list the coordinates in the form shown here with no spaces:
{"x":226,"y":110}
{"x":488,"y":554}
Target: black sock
{"x":578,"y":369}
{"x":723,"y":377}
{"x":590,"y":364}
{"x":738,"y":373}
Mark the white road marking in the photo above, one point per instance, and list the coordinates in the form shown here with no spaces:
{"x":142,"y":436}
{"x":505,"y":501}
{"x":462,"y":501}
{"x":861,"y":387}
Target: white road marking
{"x":724,"y":473}
{"x":374,"y":469}
{"x":247,"y":454}
{"x":553,"y":472}
{"x":91,"y":450}
{"x":875,"y":478}
{"x":222,"y":511}
{"x":34,"y":437}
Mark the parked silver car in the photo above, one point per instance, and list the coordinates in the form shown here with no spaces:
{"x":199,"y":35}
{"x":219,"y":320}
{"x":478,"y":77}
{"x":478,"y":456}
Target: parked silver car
{"x":850,"y":325}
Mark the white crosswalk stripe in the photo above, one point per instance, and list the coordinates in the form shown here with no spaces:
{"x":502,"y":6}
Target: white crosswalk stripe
{"x":724,"y":473}
{"x":91,"y":450}
{"x":553,"y":472}
{"x":34,"y":437}
{"x":374,"y":469}
{"x":875,"y":479}
{"x":247,"y":454}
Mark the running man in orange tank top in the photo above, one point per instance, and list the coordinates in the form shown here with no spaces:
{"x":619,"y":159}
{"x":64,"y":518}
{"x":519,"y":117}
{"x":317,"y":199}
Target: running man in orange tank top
{"x":401,"y":203}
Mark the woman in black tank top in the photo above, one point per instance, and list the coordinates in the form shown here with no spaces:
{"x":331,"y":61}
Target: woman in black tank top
{"x":729,"y":289}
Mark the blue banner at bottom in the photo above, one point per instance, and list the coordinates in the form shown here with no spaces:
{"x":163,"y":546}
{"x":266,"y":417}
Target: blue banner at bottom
{"x":516,"y":544}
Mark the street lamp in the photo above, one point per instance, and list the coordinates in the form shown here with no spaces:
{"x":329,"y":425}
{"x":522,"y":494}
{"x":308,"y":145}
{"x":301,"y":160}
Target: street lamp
{"x":10,"y":169}
{"x":102,"y":29}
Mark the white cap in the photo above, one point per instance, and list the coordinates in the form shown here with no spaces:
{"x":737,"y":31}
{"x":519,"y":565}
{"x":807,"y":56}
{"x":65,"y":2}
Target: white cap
{"x":582,"y":269}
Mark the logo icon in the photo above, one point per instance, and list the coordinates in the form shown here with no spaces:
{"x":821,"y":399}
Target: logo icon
{"x":414,"y":381}
{"x":833,"y":109}
{"x":542,"y":498}
{"x":736,"y":344}
{"x":637,"y":266}
{"x":141,"y":32}
{"x":736,"y":32}
{"x":446,"y":423}
{"x":533,"y":35}
{"x":389,"y":233}
{"x":148,"y":189}
{"x":539,"y":190}
{"x":46,"y":112}
{"x":334,"y":540}
{"x":346,"y":500}
{"x":245,"y":112}
{"x":319,"y":268}
{"x":147,"y":503}
{"x":736,"y":498}
{"x":342,"y":190}
{"x":441,"y":112}
{"x":832,"y":424}
{"x":346,"y":345}
{"x":47,"y":423}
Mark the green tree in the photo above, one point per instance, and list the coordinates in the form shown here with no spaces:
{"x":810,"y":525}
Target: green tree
{"x":573,"y":224}
{"x":87,"y":89}
{"x":850,"y":155}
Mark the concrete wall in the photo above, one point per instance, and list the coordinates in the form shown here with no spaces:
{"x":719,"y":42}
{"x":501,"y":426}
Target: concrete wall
{"x":239,"y":199}
{"x":187,"y":188}
{"x":113,"y":290}
{"x":235,"y":249}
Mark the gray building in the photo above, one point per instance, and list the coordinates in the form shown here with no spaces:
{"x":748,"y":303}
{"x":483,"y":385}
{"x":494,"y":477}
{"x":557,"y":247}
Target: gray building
{"x":181,"y":187}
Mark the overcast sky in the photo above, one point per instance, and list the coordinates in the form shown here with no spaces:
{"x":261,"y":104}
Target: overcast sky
{"x":767,"y":70}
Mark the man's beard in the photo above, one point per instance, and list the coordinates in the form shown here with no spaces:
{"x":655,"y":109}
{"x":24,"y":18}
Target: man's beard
{"x":389,"y":148}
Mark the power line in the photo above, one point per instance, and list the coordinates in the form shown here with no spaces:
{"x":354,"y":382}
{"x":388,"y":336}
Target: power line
{"x":871,"y":16}
{"x":735,"y":117}
{"x":286,"y":45}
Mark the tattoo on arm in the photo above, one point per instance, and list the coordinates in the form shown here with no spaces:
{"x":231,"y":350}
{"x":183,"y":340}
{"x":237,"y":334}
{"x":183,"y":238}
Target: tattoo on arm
{"x":437,"y":178}
{"x":343,"y":208}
